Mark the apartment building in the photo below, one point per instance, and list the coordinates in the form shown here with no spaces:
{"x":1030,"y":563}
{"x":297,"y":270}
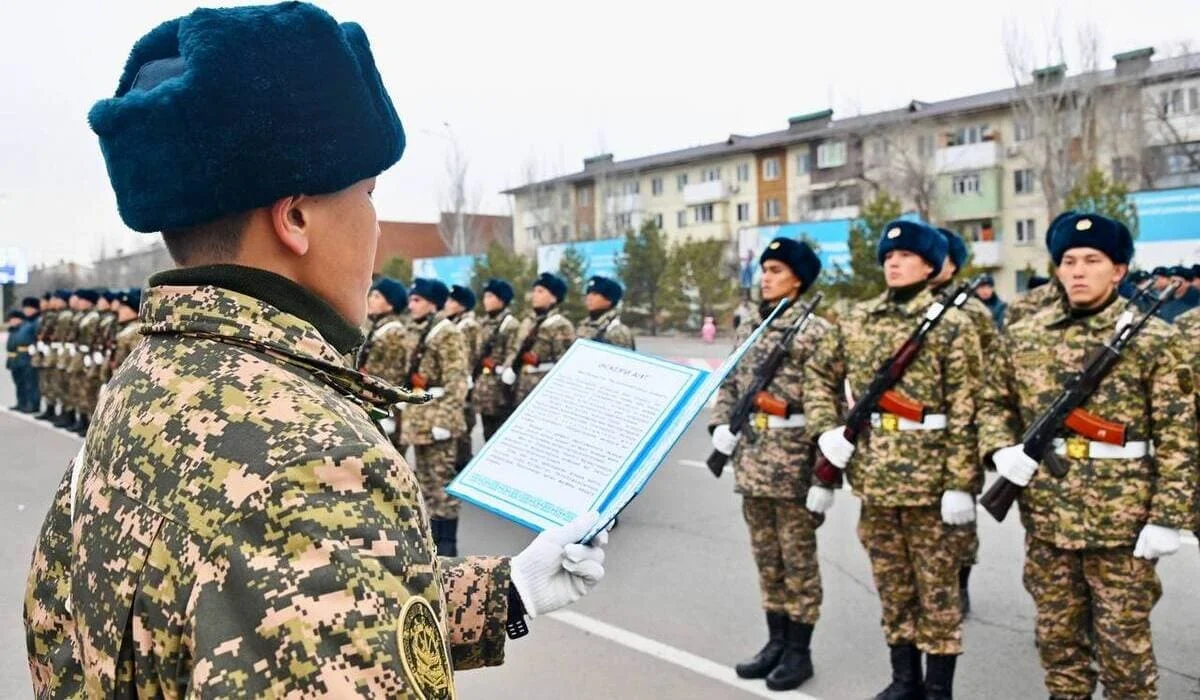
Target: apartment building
{"x":994,"y":166}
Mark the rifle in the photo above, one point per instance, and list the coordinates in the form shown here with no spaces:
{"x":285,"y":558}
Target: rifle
{"x":485,"y":353}
{"x":750,"y":398}
{"x":1038,"y":440}
{"x":510,"y":391}
{"x":889,"y":374}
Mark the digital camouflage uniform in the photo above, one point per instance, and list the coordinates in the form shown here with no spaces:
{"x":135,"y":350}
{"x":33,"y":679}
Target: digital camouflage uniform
{"x":78,"y":367}
{"x":469,"y":326}
{"x":900,"y":475}
{"x":1081,"y":529}
{"x":129,"y":334}
{"x":384,"y":354}
{"x":773,"y":470}
{"x":1033,"y":301}
{"x":96,"y":362}
{"x":606,"y":328}
{"x":443,"y":364}
{"x":61,"y":335}
{"x":40,"y":356}
{"x":242,"y":527}
{"x":552,"y":334}
{"x":497,"y":341}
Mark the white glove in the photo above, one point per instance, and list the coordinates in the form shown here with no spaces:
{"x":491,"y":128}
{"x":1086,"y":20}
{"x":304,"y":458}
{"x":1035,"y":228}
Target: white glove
{"x":724,"y":441}
{"x":388,"y":425}
{"x":554,"y":571}
{"x":836,"y":448}
{"x":1156,"y":541}
{"x":87,"y":360}
{"x":43,"y":348}
{"x":97,"y":358}
{"x":958,"y":508}
{"x":1013,"y":464}
{"x":820,"y":499}
{"x":440,"y":434}
{"x":509,"y":377}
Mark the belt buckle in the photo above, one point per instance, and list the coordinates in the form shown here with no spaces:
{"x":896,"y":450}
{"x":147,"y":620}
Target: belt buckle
{"x":527,"y":369}
{"x":486,"y":371}
{"x":1078,"y":448}
{"x":890,"y":422}
{"x":760,"y":421}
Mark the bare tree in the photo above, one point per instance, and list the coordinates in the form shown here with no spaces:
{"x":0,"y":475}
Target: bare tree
{"x":546,"y":205}
{"x":1165,"y":127}
{"x":901,"y":163}
{"x":459,"y":201}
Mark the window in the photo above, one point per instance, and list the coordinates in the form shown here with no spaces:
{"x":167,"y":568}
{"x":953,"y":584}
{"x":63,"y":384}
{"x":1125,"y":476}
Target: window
{"x":771,"y":169}
{"x":585,"y":197}
{"x":1023,"y":182}
{"x":743,"y":211}
{"x":566,"y":199}
{"x":771,"y":209}
{"x":1193,"y":99}
{"x":879,"y":151}
{"x":803,"y":163}
{"x":1026,"y":234}
{"x":703,"y":213}
{"x":656,"y":186}
{"x":631,"y":187}
{"x":1171,"y":102}
{"x":681,"y":181}
{"x":743,"y":172}
{"x":657,"y":219}
{"x":531,"y":232}
{"x":925,"y":145}
{"x":1022,"y":130}
{"x":681,"y":217}
{"x":710,"y":175}
{"x":1124,"y":169}
{"x":624,"y":221}
{"x":834,"y":199}
{"x":970,"y":134}
{"x":831,"y":154}
{"x":965,"y":184}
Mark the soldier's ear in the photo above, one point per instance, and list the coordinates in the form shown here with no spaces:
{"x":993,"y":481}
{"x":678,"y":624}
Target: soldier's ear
{"x":289,"y":221}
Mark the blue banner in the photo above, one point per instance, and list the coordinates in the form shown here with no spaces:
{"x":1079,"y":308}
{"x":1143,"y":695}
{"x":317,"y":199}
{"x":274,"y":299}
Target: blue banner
{"x":13,"y":269}
{"x":601,"y":256}
{"x":454,"y":269}
{"x":1168,"y":215}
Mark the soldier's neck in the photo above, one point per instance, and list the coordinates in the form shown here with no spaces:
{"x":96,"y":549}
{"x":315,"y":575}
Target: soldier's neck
{"x":497,"y":313}
{"x":595,"y":315}
{"x":1084,"y":312}
{"x":903,"y":295}
{"x":543,"y":312}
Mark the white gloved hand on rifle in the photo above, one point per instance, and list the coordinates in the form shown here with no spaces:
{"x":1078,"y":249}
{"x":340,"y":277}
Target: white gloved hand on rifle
{"x":723,"y":440}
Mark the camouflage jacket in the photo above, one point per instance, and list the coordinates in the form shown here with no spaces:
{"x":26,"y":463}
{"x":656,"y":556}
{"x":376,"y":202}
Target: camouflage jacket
{"x":1101,"y":502}
{"x":129,"y":334}
{"x":45,"y":324}
{"x":62,"y":335}
{"x":241,"y":527}
{"x":549,"y":336}
{"x":900,"y":468}
{"x":606,"y":328}
{"x":1031,"y":302}
{"x":384,"y":354}
{"x":103,"y":343}
{"x":772,"y":462}
{"x":443,"y":363}
{"x":472,"y":334}
{"x":497,"y":339}
{"x":84,"y":340}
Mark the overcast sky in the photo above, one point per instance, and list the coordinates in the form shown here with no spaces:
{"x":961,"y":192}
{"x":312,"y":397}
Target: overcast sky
{"x":526,"y":80}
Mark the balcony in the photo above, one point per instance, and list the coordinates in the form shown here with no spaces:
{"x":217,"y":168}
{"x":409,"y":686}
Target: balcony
{"x":969,"y":195}
{"x":986,"y":253}
{"x":706,"y":192}
{"x":969,"y":156}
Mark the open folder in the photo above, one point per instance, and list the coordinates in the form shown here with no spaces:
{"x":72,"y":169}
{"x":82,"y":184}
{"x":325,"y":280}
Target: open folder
{"x":590,"y":435}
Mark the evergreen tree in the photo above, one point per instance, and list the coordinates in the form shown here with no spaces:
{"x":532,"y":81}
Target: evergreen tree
{"x":642,"y":269}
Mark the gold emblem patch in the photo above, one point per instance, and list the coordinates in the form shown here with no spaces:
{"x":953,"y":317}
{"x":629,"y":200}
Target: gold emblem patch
{"x":760,"y":421}
{"x":1083,"y":224}
{"x":1077,"y":448}
{"x":423,"y":651}
{"x":894,"y":232}
{"x":890,"y":422}
{"x":774,"y":245}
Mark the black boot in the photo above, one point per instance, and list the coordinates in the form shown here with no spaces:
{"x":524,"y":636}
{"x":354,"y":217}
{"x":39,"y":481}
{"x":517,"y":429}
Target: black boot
{"x":51,"y":412}
{"x":81,"y":426}
{"x":906,"y":675}
{"x":762,"y":663}
{"x":939,"y":676}
{"x":795,"y":666}
{"x":448,"y":546}
{"x":66,"y":420}
{"x":964,"y":595}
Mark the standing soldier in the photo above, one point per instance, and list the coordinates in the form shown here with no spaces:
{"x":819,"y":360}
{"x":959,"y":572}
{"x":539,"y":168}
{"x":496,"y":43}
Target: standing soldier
{"x":460,"y":310}
{"x":915,"y":479}
{"x":96,"y":361}
{"x":497,"y":335}
{"x":129,"y":326}
{"x":16,"y":358}
{"x":1092,"y":537}
{"x":37,"y":353}
{"x":236,"y":525}
{"x":385,"y":352}
{"x":772,"y":467}
{"x":78,"y":336}
{"x":29,"y":397}
{"x":436,"y":365}
{"x":542,"y":340}
{"x":52,"y":332}
{"x":603,"y":323}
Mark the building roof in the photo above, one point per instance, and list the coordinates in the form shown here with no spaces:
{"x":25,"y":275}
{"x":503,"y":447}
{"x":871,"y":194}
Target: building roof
{"x":418,"y":239}
{"x":811,"y":127}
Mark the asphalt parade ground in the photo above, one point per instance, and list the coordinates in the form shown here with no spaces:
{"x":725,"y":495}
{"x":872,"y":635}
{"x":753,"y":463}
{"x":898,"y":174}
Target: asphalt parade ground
{"x":679,"y":604}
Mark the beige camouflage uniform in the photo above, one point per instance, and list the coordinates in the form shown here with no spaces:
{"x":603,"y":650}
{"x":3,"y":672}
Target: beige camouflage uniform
{"x":554,"y":335}
{"x":471,"y":331}
{"x":1033,"y":301}
{"x":63,"y":335}
{"x":900,"y":475}
{"x":385,"y":355}
{"x":443,"y":364}
{"x":96,"y":372}
{"x":606,"y":328}
{"x":41,"y":359}
{"x":1081,"y":529}
{"x":242,"y":527}
{"x":80,"y":362}
{"x":772,"y":469}
{"x":129,"y":334}
{"x":497,"y":341}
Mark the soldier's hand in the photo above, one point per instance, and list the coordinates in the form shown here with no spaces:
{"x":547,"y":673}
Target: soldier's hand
{"x":555,"y":571}
{"x":836,"y":448}
{"x":819,"y":500}
{"x":440,"y":434}
{"x":723,"y":440}
{"x":1013,"y":464}
{"x":509,"y":377}
{"x":1156,"y":541}
{"x":958,"y":508}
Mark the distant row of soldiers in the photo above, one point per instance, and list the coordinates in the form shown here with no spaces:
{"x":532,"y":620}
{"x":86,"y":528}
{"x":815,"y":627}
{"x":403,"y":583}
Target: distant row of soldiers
{"x":63,"y":347}
{"x":428,"y":338}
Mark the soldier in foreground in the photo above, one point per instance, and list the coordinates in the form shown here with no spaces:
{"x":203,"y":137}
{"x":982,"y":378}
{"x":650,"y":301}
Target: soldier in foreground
{"x":497,"y":340}
{"x":460,"y":311}
{"x":542,"y":340}
{"x":236,"y":523}
{"x":603,"y":322}
{"x":915,"y":478}
{"x":772,"y":465}
{"x":1094,"y":535}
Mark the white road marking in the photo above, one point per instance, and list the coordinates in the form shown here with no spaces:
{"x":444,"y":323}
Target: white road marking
{"x":678,"y":657}
{"x":693,"y":463}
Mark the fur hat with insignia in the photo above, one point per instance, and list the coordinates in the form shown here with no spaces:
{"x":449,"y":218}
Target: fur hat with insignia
{"x":88,"y":295}
{"x":797,"y":255}
{"x":552,"y":283}
{"x":987,"y":279}
{"x":502,"y":289}
{"x":108,"y":295}
{"x":1183,"y":272}
{"x":226,"y":110}
{"x":463,"y":295}
{"x":1161,"y":271}
{"x":608,"y":288}
{"x":393,"y":291}
{"x":956,"y":248}
{"x":914,"y":237}
{"x":62,"y":294}
{"x":430,"y":290}
{"x":1076,"y":230}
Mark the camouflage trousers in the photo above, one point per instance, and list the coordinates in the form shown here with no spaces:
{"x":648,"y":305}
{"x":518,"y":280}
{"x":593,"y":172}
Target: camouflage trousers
{"x":78,"y":389}
{"x":435,"y":469}
{"x":783,"y":535}
{"x":1108,"y":590}
{"x":526,"y":382}
{"x":915,"y":564}
{"x":48,"y":380}
{"x":965,"y":541}
{"x":463,"y":451}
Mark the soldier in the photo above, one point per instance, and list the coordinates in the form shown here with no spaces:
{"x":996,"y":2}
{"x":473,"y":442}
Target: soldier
{"x":25,"y":379}
{"x":986,"y":292}
{"x":772,"y":466}
{"x":1185,"y":298}
{"x":96,"y":359}
{"x":128,"y":335}
{"x":460,"y":310}
{"x":914,"y":478}
{"x":1092,"y":537}
{"x":603,"y":323}
{"x":498,"y":335}
{"x":542,"y":340}
{"x":236,"y":524}
{"x":79,"y":338}
{"x":49,"y":351}
{"x":385,"y":352}
{"x":16,"y":358}
{"x":1041,"y":291}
